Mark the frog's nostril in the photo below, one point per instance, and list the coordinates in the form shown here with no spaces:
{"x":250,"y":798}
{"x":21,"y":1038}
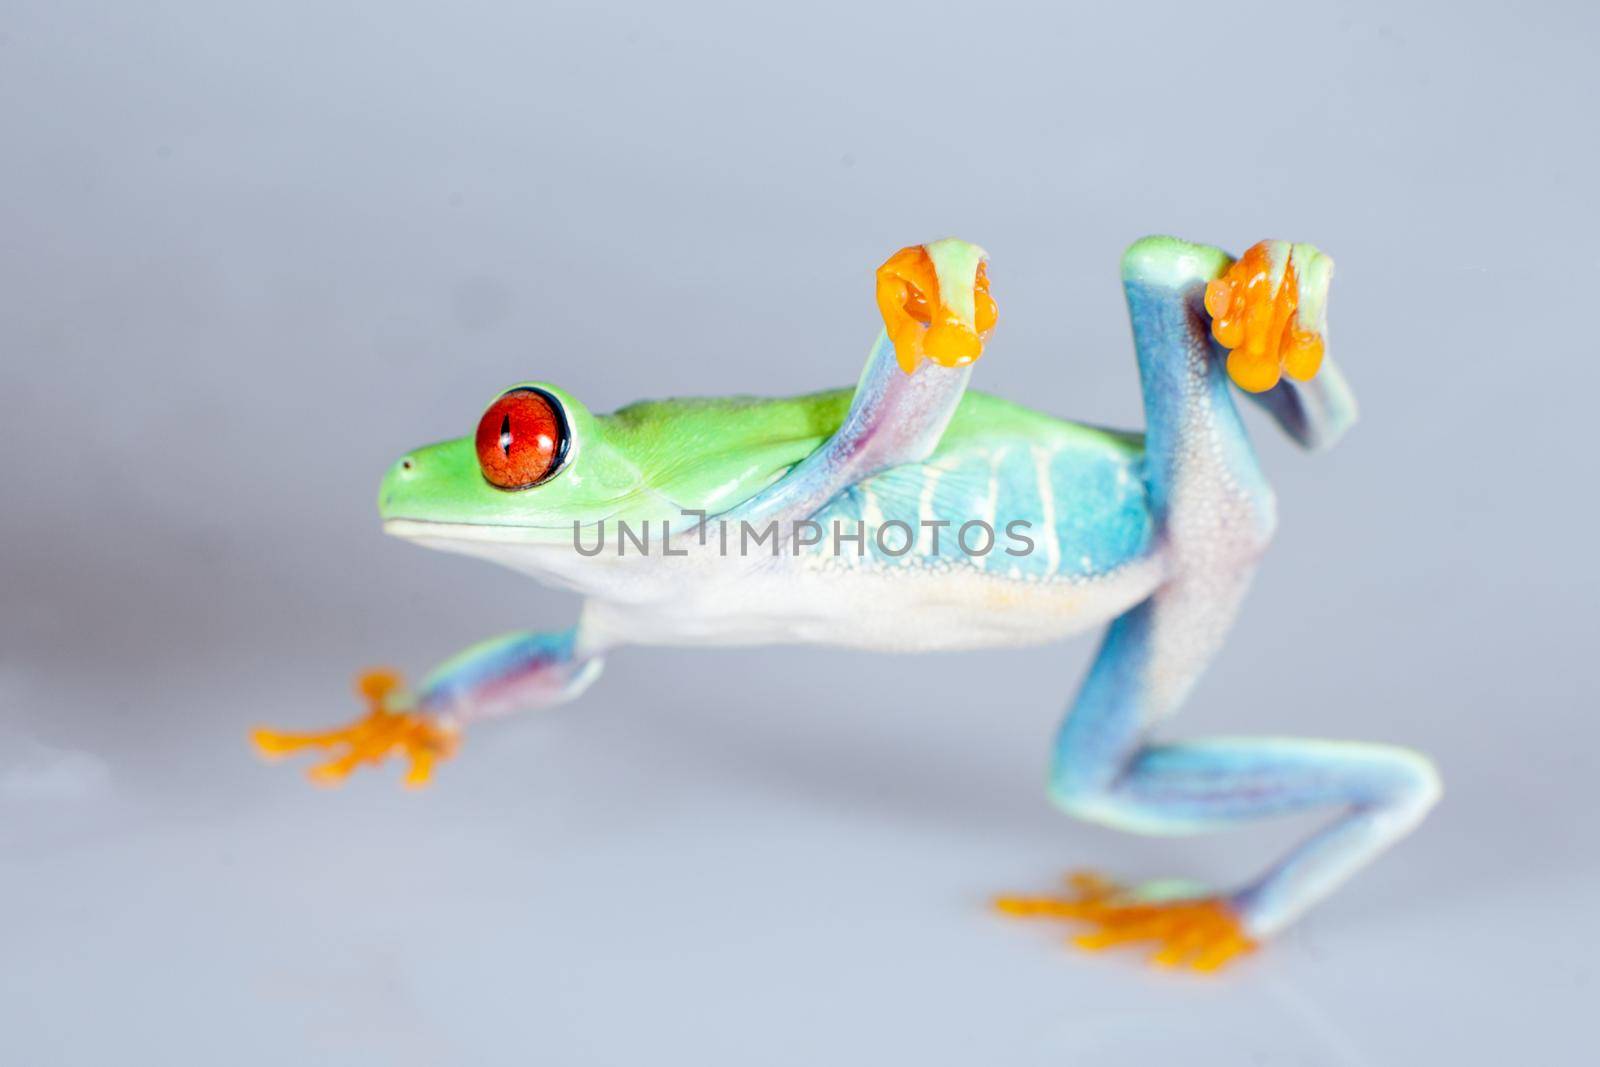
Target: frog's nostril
{"x":407,"y":464}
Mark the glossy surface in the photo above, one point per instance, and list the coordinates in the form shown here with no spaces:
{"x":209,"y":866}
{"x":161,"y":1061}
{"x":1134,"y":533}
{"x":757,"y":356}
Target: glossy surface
{"x":1256,"y":314}
{"x":521,"y":439}
{"x":935,"y":303}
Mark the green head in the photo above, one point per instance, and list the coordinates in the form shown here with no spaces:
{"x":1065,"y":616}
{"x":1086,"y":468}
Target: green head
{"x":540,"y":462}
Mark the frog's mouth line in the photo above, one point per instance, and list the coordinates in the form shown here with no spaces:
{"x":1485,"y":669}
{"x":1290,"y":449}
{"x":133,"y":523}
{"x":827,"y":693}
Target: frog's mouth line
{"x":545,"y":552}
{"x":430,"y":530}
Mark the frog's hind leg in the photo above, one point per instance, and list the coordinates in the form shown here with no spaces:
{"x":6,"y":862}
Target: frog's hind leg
{"x":1107,"y":770}
{"x":1216,"y":515}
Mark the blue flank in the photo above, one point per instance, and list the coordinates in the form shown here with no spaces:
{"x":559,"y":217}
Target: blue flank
{"x":1088,"y":514}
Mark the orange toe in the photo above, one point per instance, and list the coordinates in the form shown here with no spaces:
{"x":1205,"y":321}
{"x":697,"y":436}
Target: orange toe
{"x":371,"y":739}
{"x":1201,"y":933}
{"x":1255,"y":314}
{"x":921,"y":319}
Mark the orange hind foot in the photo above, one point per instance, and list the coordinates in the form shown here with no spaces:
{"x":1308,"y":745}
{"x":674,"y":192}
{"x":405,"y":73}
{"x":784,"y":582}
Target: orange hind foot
{"x":1202,"y":933}
{"x":373,"y":738}
{"x":1270,"y":311}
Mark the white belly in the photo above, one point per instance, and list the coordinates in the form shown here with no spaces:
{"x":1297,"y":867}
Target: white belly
{"x":817,"y":599}
{"x":887,"y":610}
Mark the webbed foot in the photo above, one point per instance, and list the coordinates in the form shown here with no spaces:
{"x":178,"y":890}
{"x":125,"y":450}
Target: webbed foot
{"x":1270,"y":311}
{"x":935,"y":303}
{"x":385,"y":730}
{"x":1200,"y":932}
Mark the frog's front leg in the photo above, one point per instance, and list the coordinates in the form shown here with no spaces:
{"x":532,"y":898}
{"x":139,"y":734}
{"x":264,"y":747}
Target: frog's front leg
{"x":937,"y":312}
{"x":510,"y":673}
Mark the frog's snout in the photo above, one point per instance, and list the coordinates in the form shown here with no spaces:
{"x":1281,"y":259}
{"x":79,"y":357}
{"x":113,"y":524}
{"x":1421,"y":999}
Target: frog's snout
{"x":405,"y":470}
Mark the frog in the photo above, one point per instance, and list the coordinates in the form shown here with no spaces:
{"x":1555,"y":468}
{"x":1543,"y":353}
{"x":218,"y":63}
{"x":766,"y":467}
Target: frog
{"x":743,"y":521}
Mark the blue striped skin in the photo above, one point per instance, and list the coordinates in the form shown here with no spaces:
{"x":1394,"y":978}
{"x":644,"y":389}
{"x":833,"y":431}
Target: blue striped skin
{"x":904,"y":432}
{"x":1098,"y":500}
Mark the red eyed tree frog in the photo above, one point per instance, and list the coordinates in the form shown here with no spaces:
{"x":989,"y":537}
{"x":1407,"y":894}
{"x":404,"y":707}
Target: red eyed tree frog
{"x":911,"y":514}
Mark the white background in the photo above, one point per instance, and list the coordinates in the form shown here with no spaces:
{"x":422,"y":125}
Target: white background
{"x":251,"y":253}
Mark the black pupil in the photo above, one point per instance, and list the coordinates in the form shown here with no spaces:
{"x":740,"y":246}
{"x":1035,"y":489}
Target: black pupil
{"x":505,"y":435}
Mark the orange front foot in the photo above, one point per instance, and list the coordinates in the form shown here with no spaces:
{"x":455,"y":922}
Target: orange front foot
{"x":1203,"y":933}
{"x":935,"y":303}
{"x":373,"y":738}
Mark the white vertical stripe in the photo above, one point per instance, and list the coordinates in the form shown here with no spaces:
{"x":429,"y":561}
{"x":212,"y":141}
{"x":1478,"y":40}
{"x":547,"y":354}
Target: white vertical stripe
{"x":930,"y":482}
{"x":1047,"y":507}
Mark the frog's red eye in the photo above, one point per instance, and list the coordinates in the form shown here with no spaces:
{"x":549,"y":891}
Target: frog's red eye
{"x":522,"y":439}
